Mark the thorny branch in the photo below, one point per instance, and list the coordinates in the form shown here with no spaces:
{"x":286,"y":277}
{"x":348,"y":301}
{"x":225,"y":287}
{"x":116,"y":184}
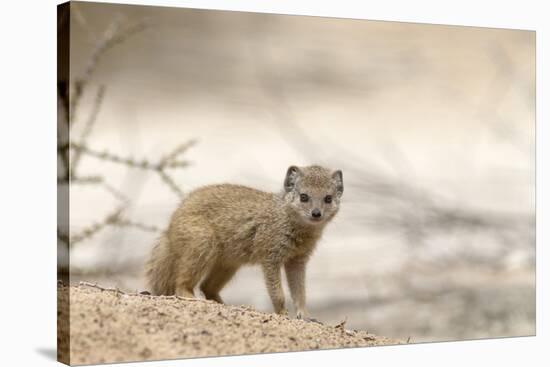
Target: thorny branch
{"x":113,"y":36}
{"x":71,"y":152}
{"x":111,"y":219}
{"x":141,"y":294}
{"x":134,"y":163}
{"x":89,"y":126}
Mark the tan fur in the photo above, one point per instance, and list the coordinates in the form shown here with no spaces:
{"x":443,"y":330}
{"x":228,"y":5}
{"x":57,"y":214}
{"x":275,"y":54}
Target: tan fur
{"x":219,"y":228}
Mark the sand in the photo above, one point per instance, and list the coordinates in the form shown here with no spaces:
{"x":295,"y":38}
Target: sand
{"x":111,"y":326}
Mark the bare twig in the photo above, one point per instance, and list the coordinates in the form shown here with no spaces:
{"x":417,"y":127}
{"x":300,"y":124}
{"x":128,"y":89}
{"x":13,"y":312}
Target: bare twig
{"x":88,"y":128}
{"x":88,"y":232}
{"x":116,"y":193}
{"x":342,"y":324}
{"x":136,"y":294}
{"x":112,"y":36}
{"x":63,"y":237}
{"x":86,"y":180}
{"x":170,"y":159}
{"x":171,"y":184}
{"x":142,"y":226}
{"x":159,"y":167}
{"x":111,"y":157}
{"x":71,"y":152}
{"x":128,"y":161}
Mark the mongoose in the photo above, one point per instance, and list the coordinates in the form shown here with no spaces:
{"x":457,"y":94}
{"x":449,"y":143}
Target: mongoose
{"x":219,"y":228}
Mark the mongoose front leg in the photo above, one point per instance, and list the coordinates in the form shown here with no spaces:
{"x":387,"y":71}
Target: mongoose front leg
{"x":296,"y":276}
{"x":272,"y":275}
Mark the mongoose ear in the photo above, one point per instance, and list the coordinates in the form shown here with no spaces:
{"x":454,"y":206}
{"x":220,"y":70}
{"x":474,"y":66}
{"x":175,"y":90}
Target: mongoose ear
{"x":339,"y":180}
{"x":292,"y":174}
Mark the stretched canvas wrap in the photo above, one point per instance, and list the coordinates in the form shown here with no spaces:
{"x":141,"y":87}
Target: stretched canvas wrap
{"x":240,"y":183}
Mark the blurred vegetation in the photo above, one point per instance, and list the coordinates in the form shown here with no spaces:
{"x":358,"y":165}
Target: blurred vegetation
{"x":70,"y":149}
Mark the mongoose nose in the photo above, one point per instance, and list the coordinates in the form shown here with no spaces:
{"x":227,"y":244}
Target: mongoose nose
{"x":316,"y":213}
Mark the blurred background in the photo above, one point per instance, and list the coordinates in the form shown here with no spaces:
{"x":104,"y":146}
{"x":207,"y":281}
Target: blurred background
{"x":433,"y":127}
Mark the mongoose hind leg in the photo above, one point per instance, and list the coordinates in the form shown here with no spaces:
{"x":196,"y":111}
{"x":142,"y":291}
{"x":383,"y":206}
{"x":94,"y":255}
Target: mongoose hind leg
{"x":197,"y":254}
{"x":185,"y":291}
{"x":218,"y":277}
{"x":186,"y":280}
{"x":190,"y":274}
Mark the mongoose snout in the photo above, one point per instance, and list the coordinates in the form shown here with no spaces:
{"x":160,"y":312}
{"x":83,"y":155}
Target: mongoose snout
{"x":316,"y":213}
{"x":218,"y":228}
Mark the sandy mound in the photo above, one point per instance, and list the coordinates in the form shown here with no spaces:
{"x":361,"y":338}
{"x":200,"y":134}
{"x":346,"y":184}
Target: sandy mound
{"x":111,"y":326}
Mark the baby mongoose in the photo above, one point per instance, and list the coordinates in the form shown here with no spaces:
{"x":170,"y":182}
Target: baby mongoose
{"x":219,"y":228}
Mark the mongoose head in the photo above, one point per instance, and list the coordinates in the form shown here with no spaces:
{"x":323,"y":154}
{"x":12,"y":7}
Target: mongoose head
{"x":314,"y":193}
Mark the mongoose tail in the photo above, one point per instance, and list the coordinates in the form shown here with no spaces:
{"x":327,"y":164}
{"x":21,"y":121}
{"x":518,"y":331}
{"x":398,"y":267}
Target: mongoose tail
{"x":159,"y":268}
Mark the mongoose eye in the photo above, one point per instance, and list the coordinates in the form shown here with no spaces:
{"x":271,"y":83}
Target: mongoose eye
{"x":328,"y":199}
{"x":304,"y":198}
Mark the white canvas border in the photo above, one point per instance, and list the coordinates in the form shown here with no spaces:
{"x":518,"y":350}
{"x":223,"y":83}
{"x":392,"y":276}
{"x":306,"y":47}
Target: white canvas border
{"x":28,"y":188}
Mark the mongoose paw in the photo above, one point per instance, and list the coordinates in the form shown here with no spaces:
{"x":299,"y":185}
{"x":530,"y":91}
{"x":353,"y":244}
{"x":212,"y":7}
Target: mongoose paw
{"x":283,"y":312}
{"x":303,"y":315}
